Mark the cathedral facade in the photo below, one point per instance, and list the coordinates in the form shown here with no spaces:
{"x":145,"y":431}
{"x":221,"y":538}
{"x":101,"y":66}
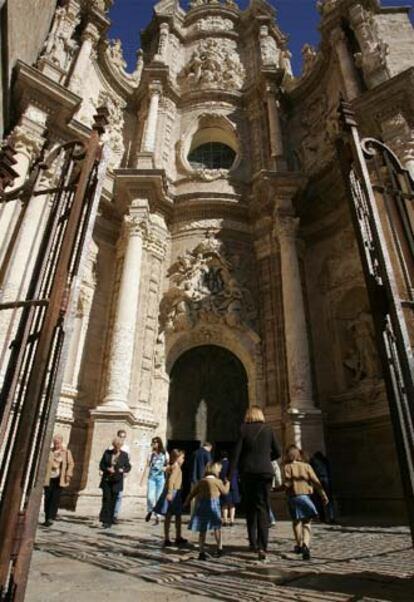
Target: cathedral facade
{"x":224,"y":269}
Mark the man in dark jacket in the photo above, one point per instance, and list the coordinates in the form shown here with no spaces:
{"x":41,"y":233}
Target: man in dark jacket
{"x":200,"y":460}
{"x":113,"y":465}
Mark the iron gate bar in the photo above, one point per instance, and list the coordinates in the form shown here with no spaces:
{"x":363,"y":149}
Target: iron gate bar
{"x":27,"y":303}
{"x":391,"y":330}
{"x":43,"y":364}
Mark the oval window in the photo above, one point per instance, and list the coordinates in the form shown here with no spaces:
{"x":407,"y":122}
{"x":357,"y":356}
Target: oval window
{"x":212,"y":155}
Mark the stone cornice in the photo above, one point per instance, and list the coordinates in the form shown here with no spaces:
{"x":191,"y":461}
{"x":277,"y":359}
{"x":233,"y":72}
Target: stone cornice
{"x":134,"y":183}
{"x":31,"y":85}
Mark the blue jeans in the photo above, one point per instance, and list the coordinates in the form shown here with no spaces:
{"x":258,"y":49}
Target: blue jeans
{"x":155,"y":487}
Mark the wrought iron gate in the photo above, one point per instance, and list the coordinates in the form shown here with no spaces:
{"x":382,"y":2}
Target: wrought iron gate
{"x":33,"y":377}
{"x":381,"y":194}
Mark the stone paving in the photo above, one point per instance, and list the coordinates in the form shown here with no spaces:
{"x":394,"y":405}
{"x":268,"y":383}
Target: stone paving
{"x":77,"y":560}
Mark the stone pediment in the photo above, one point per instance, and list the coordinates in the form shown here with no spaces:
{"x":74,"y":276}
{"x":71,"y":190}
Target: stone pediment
{"x":205,"y":289}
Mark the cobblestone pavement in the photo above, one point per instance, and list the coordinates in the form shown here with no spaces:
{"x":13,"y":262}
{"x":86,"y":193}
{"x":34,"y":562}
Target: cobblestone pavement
{"x":77,"y":561}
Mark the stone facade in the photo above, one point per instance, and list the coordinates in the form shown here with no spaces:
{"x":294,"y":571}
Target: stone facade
{"x":254,"y":255}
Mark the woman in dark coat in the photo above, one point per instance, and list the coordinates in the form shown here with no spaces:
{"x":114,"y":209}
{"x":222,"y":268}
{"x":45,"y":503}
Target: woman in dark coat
{"x":254,"y":452}
{"x":113,"y":465}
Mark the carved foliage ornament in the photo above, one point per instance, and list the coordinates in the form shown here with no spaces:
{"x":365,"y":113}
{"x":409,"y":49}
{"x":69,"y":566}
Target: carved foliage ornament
{"x":206,"y":289}
{"x":213,"y":64}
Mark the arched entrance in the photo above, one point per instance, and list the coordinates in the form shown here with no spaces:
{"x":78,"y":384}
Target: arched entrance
{"x":208,"y":397}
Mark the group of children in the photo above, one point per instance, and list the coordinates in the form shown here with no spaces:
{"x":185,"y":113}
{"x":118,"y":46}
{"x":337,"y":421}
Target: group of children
{"x":299,"y":482}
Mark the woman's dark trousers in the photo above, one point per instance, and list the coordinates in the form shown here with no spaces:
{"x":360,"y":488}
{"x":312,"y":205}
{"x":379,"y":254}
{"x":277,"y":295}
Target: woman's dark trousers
{"x":256,"y":491}
{"x":109,"y":497}
{"x":52,"y":497}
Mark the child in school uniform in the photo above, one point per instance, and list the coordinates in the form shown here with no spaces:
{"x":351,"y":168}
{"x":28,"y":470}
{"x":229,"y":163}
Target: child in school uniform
{"x":300,"y":480}
{"x":207,"y":512}
{"x":170,"y":501}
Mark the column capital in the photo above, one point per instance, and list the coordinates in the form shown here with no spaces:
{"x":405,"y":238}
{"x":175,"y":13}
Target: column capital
{"x":90,"y":33}
{"x":286,"y":226}
{"x":155,"y":88}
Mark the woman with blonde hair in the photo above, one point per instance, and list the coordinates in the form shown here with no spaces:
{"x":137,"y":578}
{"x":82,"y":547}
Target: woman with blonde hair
{"x":254,"y":452}
{"x":59,"y":472}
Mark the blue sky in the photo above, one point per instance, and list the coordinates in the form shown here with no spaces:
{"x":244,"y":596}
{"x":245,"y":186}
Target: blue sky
{"x":297,"y":18}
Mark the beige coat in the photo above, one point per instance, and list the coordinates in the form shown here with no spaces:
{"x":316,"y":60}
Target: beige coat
{"x":66,"y":470}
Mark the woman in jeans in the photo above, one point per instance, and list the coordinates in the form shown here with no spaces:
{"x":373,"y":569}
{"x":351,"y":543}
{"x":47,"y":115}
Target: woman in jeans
{"x":156,"y":464}
{"x":254,"y":452}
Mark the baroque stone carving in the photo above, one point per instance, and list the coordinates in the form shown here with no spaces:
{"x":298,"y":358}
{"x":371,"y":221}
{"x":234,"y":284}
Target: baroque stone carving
{"x":309,"y":55}
{"x":206,"y":290}
{"x":213,"y":23}
{"x":116,"y":55}
{"x":268,"y":47}
{"x":373,"y":56}
{"x":60,"y":48}
{"x":320,"y":121}
{"x":213,"y":64}
{"x":326,"y":6}
{"x":114,"y":131}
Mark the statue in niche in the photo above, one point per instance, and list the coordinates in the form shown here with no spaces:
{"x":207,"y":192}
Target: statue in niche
{"x":362,"y":361}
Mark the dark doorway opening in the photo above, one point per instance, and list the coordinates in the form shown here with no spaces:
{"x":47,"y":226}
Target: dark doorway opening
{"x":207,"y":401}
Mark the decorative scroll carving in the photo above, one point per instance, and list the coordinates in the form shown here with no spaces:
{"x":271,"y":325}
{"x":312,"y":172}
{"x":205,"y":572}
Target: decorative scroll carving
{"x":206,"y":289}
{"x":213,"y":64}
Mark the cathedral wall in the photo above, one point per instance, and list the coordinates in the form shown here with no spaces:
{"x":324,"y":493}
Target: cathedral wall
{"x":349,"y":384}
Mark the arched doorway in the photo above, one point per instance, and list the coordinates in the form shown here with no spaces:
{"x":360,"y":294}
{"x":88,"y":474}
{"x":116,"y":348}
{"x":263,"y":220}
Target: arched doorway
{"x":208,"y":397}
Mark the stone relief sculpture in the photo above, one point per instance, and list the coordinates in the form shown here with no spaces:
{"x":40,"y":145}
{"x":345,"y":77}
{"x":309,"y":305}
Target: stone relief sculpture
{"x":213,"y":64}
{"x":206,"y":290}
{"x":362,"y":360}
{"x":60,"y":48}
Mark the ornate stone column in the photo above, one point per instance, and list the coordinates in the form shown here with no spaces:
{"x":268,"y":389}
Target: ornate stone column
{"x":346,"y":63}
{"x":275,"y":130}
{"x":152,"y":118}
{"x":300,"y":381}
{"x":123,"y":335}
{"x":90,"y":38}
{"x":303,"y":419}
